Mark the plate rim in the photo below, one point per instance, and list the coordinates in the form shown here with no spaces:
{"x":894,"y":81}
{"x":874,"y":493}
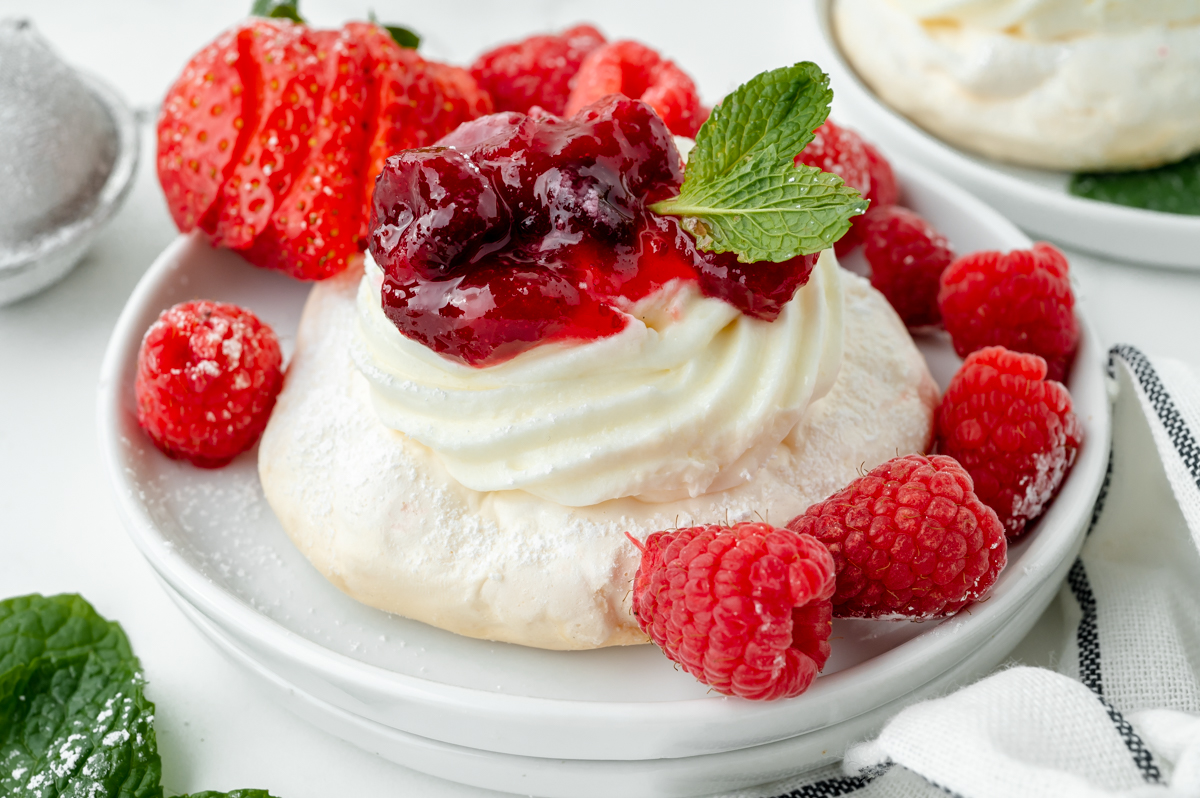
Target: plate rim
{"x":215,"y":602}
{"x":553,"y":775}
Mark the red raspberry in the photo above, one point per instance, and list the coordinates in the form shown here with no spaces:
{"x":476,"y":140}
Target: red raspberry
{"x":208,"y":374}
{"x":744,"y":608}
{"x":640,"y":73}
{"x":907,"y":257}
{"x":537,"y":71}
{"x":910,"y":538}
{"x":1013,"y":430}
{"x":1021,"y":300}
{"x":842,"y":151}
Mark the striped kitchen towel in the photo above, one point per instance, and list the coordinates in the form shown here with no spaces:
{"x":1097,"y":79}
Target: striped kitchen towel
{"x":1120,"y":714}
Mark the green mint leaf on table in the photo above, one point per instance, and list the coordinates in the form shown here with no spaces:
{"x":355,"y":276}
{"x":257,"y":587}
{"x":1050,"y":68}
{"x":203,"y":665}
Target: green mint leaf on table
{"x":742,"y":191}
{"x":405,"y":37}
{"x":1174,"y":188}
{"x":277,"y":9}
{"x":74,"y":720}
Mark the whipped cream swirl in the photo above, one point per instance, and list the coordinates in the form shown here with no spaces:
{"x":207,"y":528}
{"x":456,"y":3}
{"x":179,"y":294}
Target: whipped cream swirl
{"x":692,"y":397}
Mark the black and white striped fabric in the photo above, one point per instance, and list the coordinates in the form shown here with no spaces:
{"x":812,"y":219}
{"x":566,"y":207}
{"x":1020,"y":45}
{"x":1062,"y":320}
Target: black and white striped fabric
{"x":1120,"y":714}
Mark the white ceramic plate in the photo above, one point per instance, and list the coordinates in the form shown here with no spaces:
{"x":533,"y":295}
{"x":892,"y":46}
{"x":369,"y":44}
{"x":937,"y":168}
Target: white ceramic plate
{"x":1037,"y":200}
{"x":213,"y":539}
{"x":638,"y":778}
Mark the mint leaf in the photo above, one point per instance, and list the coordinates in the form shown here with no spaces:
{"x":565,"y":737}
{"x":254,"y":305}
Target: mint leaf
{"x":403,"y":36}
{"x":781,"y":107}
{"x":1174,"y":188}
{"x":74,"y":720}
{"x":742,"y":191}
{"x":277,"y":9}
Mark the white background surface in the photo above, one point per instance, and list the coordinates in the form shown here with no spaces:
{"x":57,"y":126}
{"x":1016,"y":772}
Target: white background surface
{"x":58,"y":527}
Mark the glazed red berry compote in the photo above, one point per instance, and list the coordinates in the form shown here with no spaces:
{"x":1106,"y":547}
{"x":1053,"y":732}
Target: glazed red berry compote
{"x":519,"y":229}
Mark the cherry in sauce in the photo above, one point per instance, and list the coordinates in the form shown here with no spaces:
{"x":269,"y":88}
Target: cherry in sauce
{"x":520,"y":229}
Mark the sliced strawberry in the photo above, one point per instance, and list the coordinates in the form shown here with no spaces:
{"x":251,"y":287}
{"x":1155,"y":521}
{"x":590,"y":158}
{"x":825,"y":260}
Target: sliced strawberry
{"x":313,"y":231}
{"x":290,"y":91}
{"x":411,"y":102}
{"x":538,"y":71}
{"x":202,"y":129}
{"x":633,"y":69}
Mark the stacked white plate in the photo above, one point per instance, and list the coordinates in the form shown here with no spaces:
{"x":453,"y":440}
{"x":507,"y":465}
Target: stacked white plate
{"x":1036,"y":199}
{"x":590,"y":723}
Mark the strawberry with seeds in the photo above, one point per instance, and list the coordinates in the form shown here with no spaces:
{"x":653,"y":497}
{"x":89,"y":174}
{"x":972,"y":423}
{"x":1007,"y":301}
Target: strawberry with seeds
{"x":271,"y":139}
{"x":313,"y":230}
{"x":202,"y":129}
{"x":640,"y":73}
{"x":537,"y":71}
{"x":288,"y":80}
{"x":411,"y":102}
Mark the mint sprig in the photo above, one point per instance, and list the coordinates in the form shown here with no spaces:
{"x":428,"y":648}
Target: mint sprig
{"x":742,"y":191}
{"x":74,"y":717}
{"x":1174,"y":188}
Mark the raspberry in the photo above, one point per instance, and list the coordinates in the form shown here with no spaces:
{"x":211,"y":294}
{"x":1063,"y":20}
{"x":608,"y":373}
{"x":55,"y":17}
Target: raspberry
{"x":910,"y":538}
{"x":907,"y":257}
{"x":640,"y":73}
{"x":537,"y":71}
{"x":744,"y":608}
{"x":1021,"y":300}
{"x":208,"y":374}
{"x":843,"y":152}
{"x":1013,"y":430}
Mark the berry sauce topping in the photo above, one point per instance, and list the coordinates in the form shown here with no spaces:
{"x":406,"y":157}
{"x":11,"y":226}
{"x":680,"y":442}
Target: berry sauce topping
{"x":520,"y":229}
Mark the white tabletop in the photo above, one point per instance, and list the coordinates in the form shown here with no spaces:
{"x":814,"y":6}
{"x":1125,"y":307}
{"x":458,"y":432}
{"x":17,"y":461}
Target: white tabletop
{"x":59,"y":530}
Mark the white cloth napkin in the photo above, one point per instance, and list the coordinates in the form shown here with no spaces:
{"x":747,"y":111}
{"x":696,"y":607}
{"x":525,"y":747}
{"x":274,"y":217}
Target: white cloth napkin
{"x":1120,"y":715}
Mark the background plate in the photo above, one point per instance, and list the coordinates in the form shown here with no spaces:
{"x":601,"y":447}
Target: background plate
{"x":1037,"y":200}
{"x":211,"y":536}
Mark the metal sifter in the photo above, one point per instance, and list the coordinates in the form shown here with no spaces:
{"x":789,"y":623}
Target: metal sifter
{"x":68,"y":153}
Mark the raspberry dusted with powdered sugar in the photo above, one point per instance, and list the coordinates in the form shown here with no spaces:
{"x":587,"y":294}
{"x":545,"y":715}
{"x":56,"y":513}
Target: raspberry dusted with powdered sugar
{"x":744,"y":608}
{"x":910,"y":539}
{"x":208,"y":374}
{"x":1012,"y":429}
{"x":1021,"y":300}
